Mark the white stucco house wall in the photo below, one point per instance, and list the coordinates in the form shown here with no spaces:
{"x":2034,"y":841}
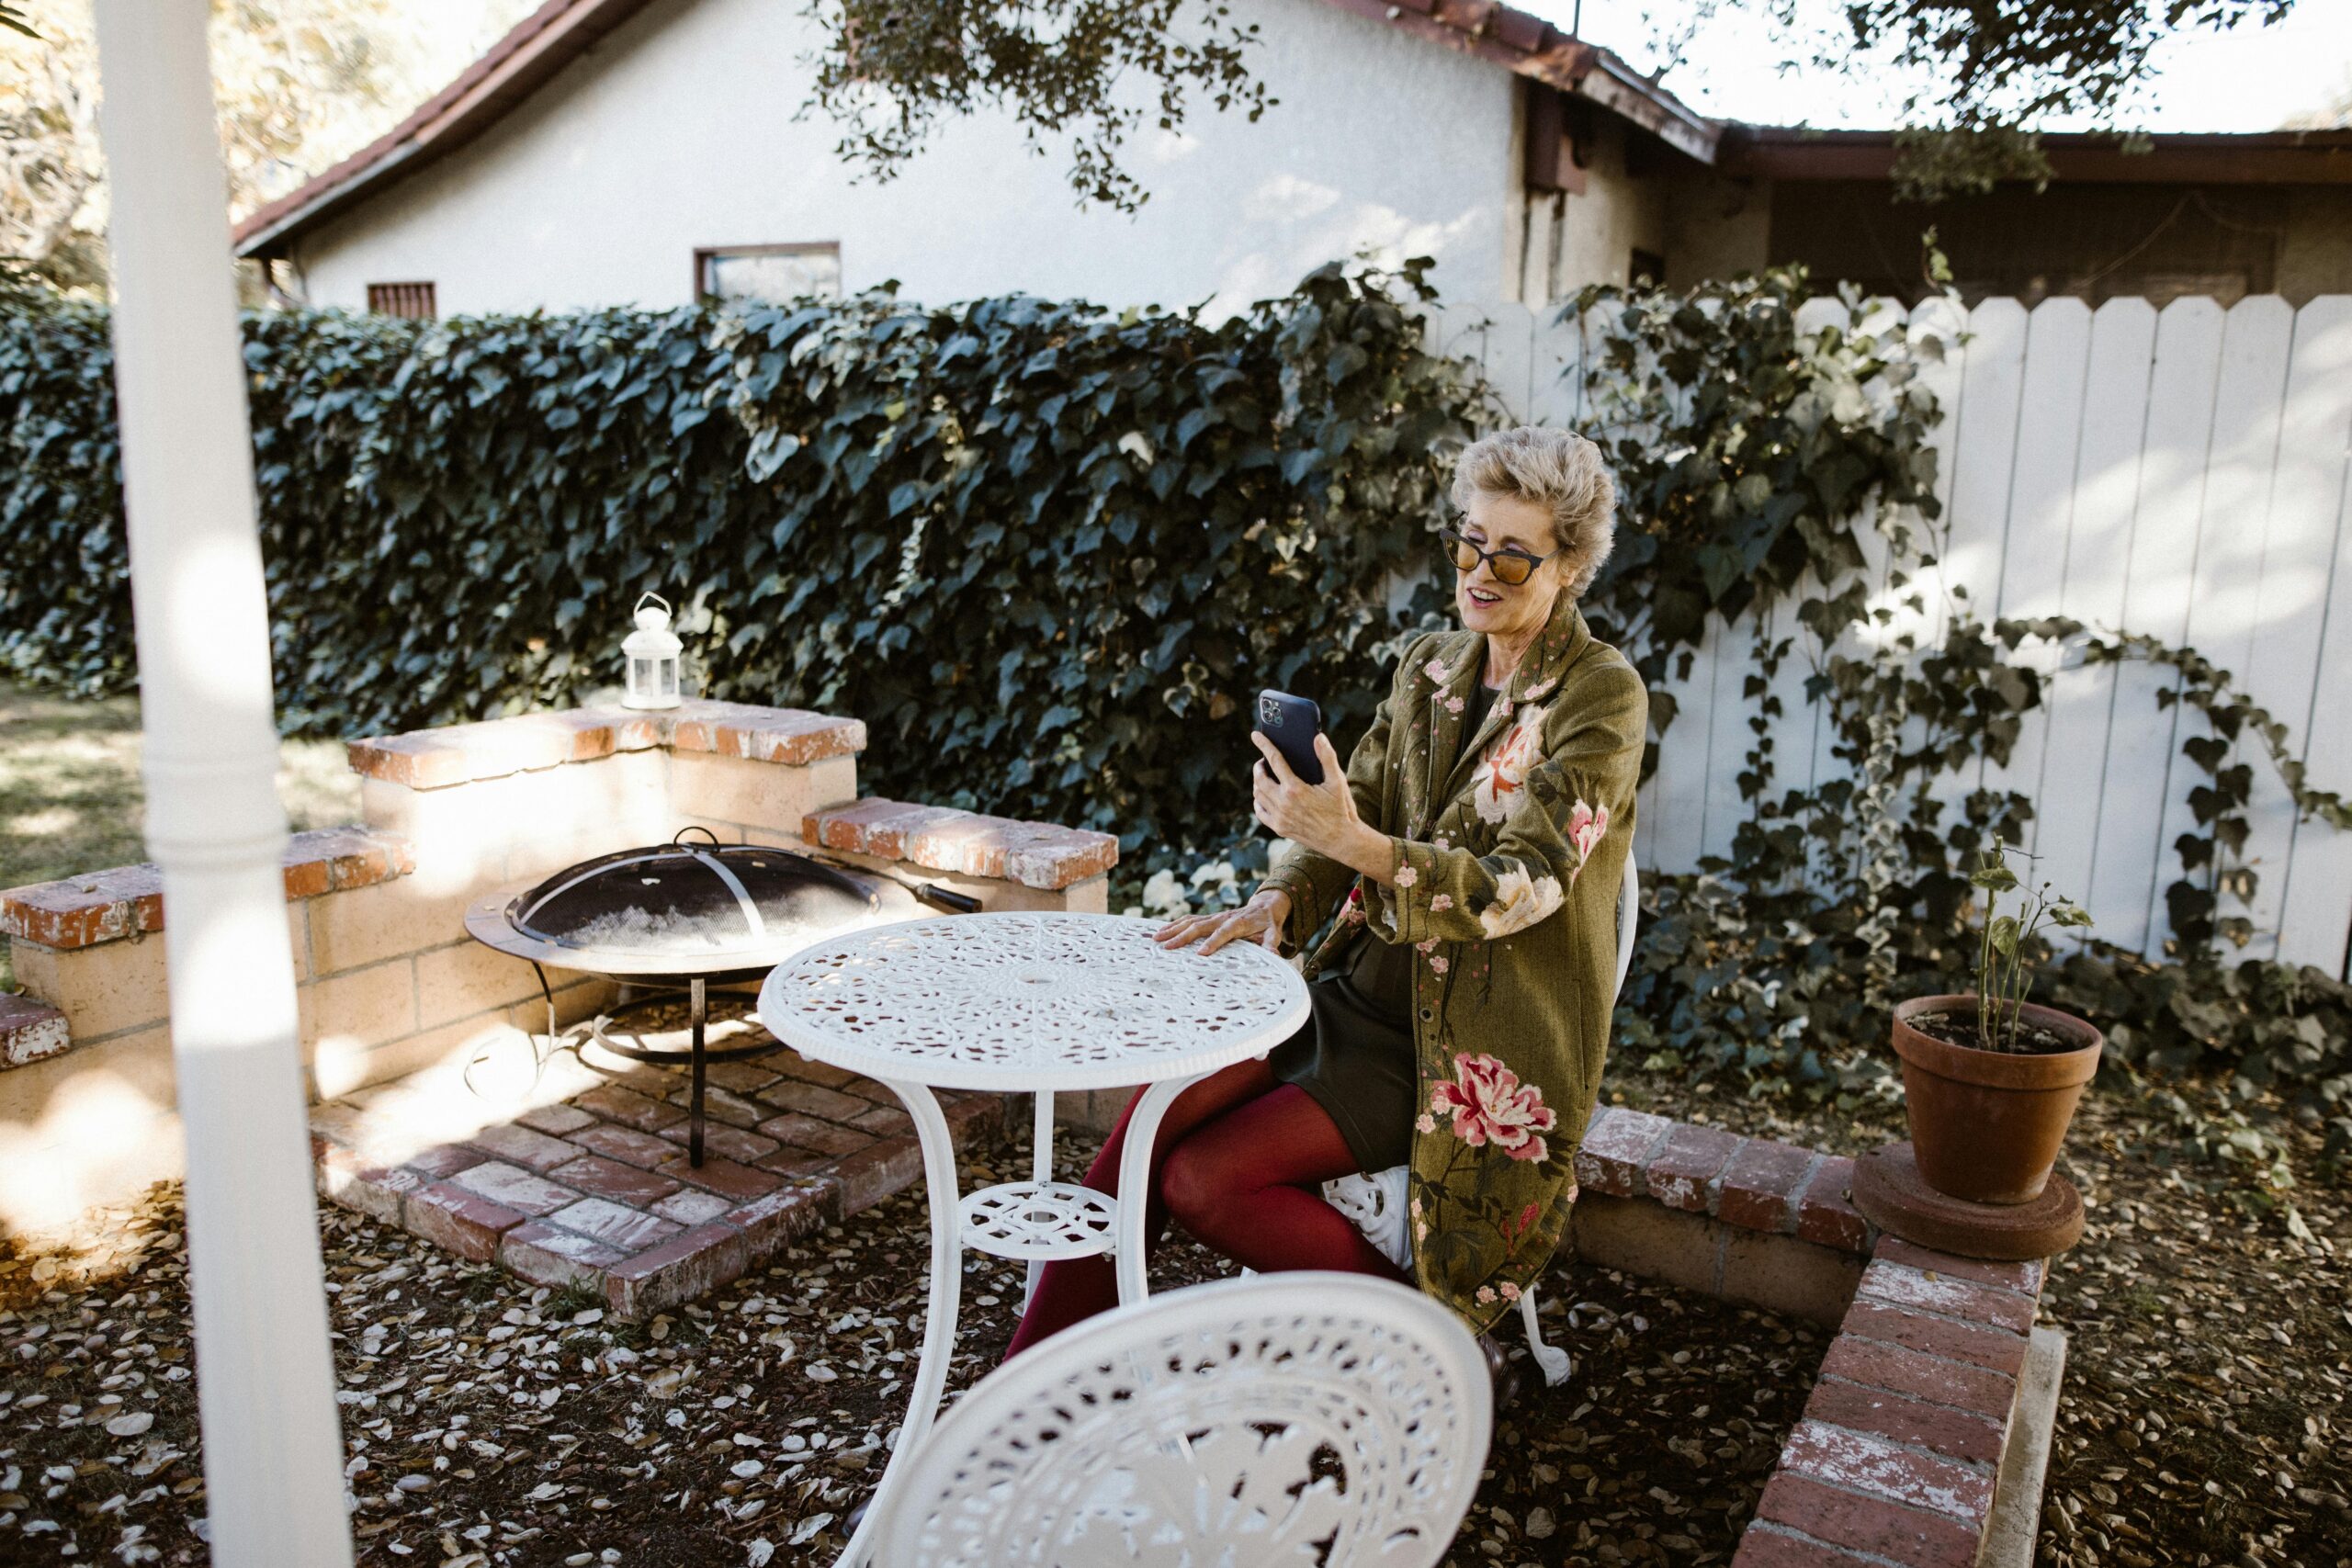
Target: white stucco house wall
{"x":602,"y":145}
{"x":648,"y":152}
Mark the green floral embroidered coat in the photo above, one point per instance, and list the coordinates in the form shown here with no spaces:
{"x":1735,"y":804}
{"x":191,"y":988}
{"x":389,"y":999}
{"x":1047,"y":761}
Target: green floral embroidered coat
{"x":1509,"y":849}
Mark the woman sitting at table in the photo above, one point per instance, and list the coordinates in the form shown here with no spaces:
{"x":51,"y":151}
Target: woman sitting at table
{"x":1461,"y":999}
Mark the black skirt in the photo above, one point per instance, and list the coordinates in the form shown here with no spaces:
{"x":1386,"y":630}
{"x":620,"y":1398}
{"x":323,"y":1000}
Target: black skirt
{"x":1354,"y":1053}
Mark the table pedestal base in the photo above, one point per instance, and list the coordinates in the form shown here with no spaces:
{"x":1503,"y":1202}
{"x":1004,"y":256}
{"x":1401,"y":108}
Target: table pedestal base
{"x":1040,"y":1219}
{"x":939,"y":1317}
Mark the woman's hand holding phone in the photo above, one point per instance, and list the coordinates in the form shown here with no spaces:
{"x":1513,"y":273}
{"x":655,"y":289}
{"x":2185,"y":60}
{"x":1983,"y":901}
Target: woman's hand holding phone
{"x":1259,"y":920}
{"x":1322,"y":816}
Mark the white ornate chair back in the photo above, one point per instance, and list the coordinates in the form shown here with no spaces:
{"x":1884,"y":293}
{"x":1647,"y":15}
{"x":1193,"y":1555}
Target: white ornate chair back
{"x":1239,"y":1421}
{"x":1376,"y":1203}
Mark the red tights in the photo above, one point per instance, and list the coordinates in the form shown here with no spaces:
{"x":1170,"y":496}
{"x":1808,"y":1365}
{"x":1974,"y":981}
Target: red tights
{"x":1239,"y":1162}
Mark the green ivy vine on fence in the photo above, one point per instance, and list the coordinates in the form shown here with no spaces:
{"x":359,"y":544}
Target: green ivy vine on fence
{"x":1764,"y":463}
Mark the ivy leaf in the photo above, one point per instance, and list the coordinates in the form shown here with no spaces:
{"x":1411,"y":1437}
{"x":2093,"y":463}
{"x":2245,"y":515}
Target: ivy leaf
{"x":1720,"y":569}
{"x":2208,"y":752}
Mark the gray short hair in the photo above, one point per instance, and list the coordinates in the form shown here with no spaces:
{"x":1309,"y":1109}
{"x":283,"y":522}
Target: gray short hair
{"x":1558,"y":470}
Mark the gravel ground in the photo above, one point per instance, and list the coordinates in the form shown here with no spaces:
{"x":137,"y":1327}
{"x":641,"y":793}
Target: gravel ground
{"x":2201,"y":1419}
{"x":491,"y":1423}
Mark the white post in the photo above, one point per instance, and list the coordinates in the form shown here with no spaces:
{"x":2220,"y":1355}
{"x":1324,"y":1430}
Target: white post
{"x":273,"y":1450}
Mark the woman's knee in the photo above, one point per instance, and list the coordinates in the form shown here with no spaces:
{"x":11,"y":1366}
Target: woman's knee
{"x":1195,"y":1185}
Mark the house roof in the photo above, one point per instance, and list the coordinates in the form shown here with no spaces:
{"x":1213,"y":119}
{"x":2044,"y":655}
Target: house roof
{"x":519,"y":64}
{"x":559,"y":32}
{"x":2269,"y":157}
{"x":1533,"y":48}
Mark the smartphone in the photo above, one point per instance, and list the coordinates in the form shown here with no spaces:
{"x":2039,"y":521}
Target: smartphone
{"x":1292,"y":724}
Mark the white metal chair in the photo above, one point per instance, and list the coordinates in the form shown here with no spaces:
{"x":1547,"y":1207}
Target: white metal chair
{"x":1376,"y":1203}
{"x":1241,"y":1422}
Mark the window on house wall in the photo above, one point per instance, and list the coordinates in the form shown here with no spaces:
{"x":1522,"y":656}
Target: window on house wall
{"x":413,"y":301}
{"x":769,"y":272}
{"x":1645,"y":266}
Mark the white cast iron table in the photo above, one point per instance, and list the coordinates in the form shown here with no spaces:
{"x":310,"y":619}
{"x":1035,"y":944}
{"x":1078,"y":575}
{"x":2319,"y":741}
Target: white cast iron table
{"x":1037,"y":1003}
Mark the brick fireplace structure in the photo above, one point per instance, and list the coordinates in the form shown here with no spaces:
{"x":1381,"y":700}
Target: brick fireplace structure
{"x":390,"y":986}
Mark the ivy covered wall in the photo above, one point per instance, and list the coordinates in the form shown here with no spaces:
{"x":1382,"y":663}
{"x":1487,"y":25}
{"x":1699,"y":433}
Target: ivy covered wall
{"x":1045,"y":552}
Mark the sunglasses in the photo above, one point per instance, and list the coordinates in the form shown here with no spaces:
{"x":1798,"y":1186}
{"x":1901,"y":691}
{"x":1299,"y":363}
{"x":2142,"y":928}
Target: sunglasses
{"x":1510,"y":566}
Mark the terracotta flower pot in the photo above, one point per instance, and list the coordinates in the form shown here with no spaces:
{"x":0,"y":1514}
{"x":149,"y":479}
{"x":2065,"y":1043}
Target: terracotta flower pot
{"x":1985,"y":1125}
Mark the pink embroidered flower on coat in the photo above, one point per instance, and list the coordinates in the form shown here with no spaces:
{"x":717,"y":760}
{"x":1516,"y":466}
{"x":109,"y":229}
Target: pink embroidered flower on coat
{"x":1541,"y":688}
{"x":1486,"y":1295}
{"x":1437,"y":963}
{"x":1490,"y":1105}
{"x":1502,"y":773}
{"x":1425,"y":1124}
{"x":1453,"y":704}
{"x":1586,"y":824}
{"x":1407,"y":877}
{"x":1510,"y":1292}
{"x":1441,"y":904}
{"x":1435,"y":671}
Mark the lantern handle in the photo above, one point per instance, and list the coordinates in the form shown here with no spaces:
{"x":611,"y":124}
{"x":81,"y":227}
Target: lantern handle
{"x":649,"y":594}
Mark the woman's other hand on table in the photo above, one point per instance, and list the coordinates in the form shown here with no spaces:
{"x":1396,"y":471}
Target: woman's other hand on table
{"x":1259,"y":920}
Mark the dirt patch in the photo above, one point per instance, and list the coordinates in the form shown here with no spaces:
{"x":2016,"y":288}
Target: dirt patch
{"x":489,"y":1423}
{"x":2203,"y":1418}
{"x":2026,"y":1038}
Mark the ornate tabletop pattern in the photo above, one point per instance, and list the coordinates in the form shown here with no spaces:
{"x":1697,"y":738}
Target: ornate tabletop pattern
{"x":1040,"y":1000}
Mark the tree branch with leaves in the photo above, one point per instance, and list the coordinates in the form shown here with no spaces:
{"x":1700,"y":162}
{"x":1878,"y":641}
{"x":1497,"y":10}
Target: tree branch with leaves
{"x":1998,"y":69}
{"x":890,"y":71}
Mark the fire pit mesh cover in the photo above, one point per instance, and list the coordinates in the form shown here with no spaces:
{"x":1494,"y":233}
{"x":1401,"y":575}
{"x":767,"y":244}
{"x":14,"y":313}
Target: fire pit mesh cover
{"x":689,"y":899}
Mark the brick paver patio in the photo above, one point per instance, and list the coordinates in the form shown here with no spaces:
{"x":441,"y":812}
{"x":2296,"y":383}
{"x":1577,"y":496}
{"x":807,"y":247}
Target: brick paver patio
{"x":584,"y":1180}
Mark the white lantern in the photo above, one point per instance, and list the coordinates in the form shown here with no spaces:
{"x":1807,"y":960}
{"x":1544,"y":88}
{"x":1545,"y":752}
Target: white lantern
{"x":652,"y":655}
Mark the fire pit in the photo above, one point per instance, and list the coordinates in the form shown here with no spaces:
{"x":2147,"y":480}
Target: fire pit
{"x":670,"y":921}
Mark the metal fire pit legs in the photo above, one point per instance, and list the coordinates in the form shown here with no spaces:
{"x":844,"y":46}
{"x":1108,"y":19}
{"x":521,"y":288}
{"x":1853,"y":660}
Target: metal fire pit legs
{"x":698,"y":1055}
{"x":673,"y":919}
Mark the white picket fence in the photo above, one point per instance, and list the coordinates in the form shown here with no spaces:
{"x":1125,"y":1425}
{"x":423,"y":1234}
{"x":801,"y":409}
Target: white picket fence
{"x":2178,"y":472}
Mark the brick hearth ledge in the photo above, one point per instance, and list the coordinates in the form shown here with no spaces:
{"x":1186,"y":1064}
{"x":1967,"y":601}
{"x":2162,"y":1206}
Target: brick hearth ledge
{"x":1898,"y":1458}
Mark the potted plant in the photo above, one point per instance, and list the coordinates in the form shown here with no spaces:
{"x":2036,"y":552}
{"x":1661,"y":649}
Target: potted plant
{"x":1990,"y":1080}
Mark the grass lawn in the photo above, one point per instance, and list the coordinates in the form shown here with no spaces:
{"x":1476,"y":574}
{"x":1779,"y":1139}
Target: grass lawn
{"x":72,"y":799}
